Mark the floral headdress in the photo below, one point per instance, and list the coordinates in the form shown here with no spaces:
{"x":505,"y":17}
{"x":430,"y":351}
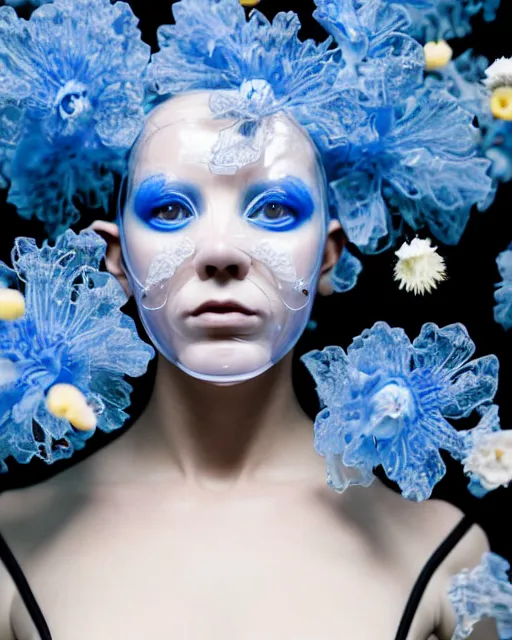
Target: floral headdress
{"x":76,"y":80}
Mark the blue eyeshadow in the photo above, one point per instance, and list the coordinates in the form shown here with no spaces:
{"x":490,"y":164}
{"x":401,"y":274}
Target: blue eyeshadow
{"x":290,"y":193}
{"x":158,"y":191}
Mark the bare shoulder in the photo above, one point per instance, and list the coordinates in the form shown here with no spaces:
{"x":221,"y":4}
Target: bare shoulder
{"x":16,"y":528}
{"x":28,"y":517}
{"x":432,"y":522}
{"x":421,"y":528}
{"x":427,"y":523}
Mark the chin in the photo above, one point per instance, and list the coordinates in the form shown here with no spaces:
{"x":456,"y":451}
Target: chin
{"x":225,"y":362}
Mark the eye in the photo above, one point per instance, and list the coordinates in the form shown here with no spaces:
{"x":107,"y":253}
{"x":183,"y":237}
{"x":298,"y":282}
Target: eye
{"x":274,"y":215}
{"x":167,"y":206}
{"x":171,"y":212}
{"x":276,"y":211}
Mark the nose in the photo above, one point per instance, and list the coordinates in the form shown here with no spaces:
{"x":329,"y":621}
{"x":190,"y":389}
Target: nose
{"x":221,"y":260}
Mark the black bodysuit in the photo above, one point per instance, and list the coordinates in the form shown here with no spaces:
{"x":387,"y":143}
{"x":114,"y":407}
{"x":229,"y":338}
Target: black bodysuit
{"x":403,"y":629}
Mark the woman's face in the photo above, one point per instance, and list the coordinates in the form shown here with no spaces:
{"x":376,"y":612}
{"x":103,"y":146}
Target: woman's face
{"x":224,"y":266}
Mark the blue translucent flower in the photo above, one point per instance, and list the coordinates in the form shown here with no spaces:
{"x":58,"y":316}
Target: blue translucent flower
{"x":262,"y":67}
{"x":463,"y":79}
{"x":19,"y":3}
{"x":415,"y":161}
{"x":75,"y":68}
{"x":386,"y":402}
{"x":446,"y":19}
{"x":503,"y":294}
{"x":346,"y":272}
{"x":10,"y":118}
{"x":46,"y":180}
{"x":413,"y":156}
{"x":374,"y":44}
{"x":497,"y":146}
{"x":71,"y":329}
{"x":483,"y":592}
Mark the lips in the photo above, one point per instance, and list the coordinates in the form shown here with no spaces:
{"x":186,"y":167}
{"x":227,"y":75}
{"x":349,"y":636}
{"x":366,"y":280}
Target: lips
{"x":222,"y":308}
{"x":224,"y":319}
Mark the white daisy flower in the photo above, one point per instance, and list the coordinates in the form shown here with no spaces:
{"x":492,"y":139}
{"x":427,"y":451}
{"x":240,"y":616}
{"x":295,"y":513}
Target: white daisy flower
{"x":490,"y":460}
{"x":499,"y":74}
{"x":419,"y":267}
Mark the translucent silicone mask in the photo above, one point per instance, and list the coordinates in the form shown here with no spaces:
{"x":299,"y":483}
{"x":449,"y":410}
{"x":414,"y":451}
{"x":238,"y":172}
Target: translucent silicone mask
{"x":223,"y":267}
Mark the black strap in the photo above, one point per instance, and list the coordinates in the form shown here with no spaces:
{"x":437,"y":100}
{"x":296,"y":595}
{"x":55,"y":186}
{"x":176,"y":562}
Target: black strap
{"x":426,"y":574}
{"x":14,"y":569}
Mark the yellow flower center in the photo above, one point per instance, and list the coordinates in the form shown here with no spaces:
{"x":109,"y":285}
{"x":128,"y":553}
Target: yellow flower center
{"x":499,"y":453}
{"x":66,"y":401}
{"x":249,"y":3}
{"x":501,"y":103}
{"x":12,"y":304}
{"x":437,"y":55}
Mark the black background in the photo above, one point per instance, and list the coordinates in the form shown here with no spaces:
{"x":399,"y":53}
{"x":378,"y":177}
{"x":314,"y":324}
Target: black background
{"x":467,"y":296}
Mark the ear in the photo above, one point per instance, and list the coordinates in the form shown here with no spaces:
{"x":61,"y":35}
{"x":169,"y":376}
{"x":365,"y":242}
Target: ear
{"x":109,"y":231}
{"x":334,"y":245}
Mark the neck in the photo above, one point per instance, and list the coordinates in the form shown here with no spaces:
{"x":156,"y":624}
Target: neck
{"x":222,"y":435}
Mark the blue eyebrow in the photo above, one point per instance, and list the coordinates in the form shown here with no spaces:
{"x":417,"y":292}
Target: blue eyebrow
{"x":157,"y":190}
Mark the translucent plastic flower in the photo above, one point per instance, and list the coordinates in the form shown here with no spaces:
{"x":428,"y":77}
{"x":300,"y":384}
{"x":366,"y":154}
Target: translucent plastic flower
{"x":447,"y":19}
{"x":10,"y":121}
{"x":73,"y":333}
{"x":76,"y":70}
{"x":346,"y":272}
{"x":380,"y":62}
{"x":367,"y":31}
{"x":503,"y":294}
{"x":262,"y":66}
{"x":55,"y":182}
{"x":483,"y":592}
{"x":465,"y":79}
{"x":387,"y":402}
{"x":414,"y":161}
{"x":19,"y":3}
{"x":419,"y":267}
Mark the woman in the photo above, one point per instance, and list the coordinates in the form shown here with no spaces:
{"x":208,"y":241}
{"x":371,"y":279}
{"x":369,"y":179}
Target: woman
{"x":210,"y":517}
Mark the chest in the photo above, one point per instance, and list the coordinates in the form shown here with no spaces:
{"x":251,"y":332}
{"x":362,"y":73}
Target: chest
{"x":153,"y":567}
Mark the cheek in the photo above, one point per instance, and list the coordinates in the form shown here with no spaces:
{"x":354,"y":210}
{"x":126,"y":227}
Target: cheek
{"x":139,"y":245}
{"x":307,"y":246}
{"x":152,"y":256}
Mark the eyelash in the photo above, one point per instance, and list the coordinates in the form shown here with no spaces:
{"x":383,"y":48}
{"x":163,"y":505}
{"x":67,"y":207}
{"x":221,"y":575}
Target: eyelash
{"x":156,"y":215}
{"x":291,"y":212}
{"x":156,"y":211}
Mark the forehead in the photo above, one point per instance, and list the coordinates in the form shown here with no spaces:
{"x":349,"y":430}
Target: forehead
{"x":180,"y":134}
